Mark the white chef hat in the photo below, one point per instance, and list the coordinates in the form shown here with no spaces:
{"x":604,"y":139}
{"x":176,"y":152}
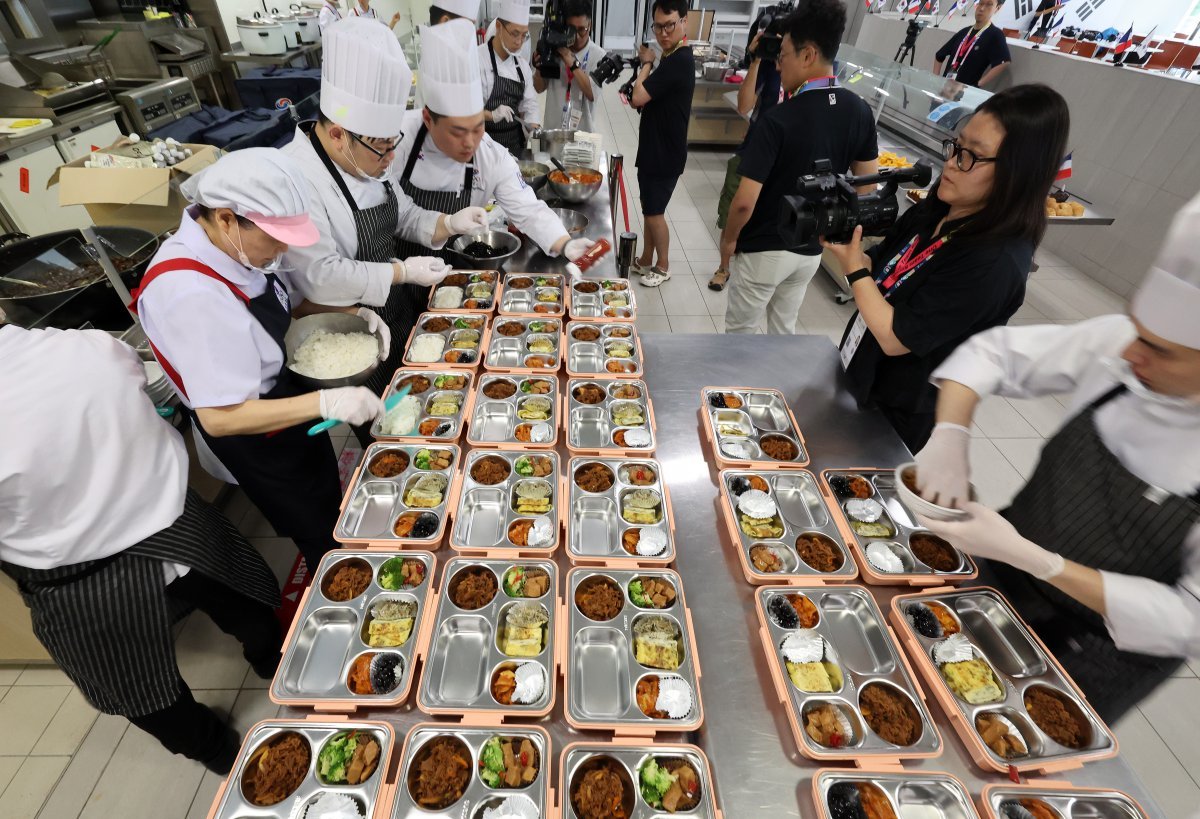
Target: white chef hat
{"x":1167,"y":302}
{"x":261,"y":184}
{"x":365,"y":80}
{"x":468,"y":9}
{"x":514,"y":11}
{"x":449,"y":70}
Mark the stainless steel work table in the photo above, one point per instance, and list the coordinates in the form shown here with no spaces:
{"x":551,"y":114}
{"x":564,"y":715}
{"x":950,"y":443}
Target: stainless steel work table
{"x":758,"y":770}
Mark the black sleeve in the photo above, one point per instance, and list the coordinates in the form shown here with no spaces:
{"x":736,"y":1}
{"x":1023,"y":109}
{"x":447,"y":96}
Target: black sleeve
{"x":670,"y":76}
{"x":999,"y":53}
{"x":945,"y":51}
{"x":758,"y":158}
{"x":868,"y":149}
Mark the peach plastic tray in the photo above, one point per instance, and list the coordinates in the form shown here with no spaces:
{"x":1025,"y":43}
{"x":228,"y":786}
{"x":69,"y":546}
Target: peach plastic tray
{"x":764,"y":412}
{"x":576,"y":423}
{"x":508,"y":354}
{"x":628,"y":755}
{"x":582,"y":545}
{"x":579,"y":352}
{"x":1062,"y":797}
{"x":459,"y":420}
{"x":499,"y":415}
{"x":595,"y":306}
{"x":929,"y":792}
{"x":497,"y":291}
{"x":478,"y":510}
{"x":521,"y":301}
{"x":419,"y":329}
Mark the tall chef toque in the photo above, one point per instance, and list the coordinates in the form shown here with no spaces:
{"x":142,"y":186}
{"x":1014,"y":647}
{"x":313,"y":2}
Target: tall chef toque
{"x":365,"y":80}
{"x":1167,"y":302}
{"x":449,"y":69}
{"x":468,"y":9}
{"x":514,"y":11}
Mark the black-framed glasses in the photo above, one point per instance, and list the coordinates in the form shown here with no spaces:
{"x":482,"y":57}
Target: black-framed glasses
{"x":965,"y":158}
{"x":390,"y":146}
{"x":664,"y":28}
{"x":523,"y":35}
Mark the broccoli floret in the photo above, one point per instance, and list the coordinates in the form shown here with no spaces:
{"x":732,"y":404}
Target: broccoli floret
{"x":655,"y":782}
{"x":638,"y":594}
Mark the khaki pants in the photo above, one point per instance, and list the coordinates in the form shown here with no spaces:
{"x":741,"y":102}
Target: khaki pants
{"x":732,"y":180}
{"x":772,"y":281}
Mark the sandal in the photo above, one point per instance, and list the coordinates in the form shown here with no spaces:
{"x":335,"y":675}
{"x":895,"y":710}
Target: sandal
{"x":719,"y":280}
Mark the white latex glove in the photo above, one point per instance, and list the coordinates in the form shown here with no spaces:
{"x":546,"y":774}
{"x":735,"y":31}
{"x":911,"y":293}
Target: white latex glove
{"x":576,"y":248}
{"x":424,"y":271}
{"x":502,"y":113}
{"x":350,"y":405}
{"x":987,"y":534}
{"x":467,"y":220}
{"x":377,"y":326}
{"x":944,"y":468}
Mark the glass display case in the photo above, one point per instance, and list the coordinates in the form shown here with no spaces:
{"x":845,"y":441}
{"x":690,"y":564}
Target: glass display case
{"x":917,"y":105}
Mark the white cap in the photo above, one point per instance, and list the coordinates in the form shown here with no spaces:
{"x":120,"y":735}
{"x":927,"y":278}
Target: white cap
{"x":262,"y":184}
{"x":463,"y":8}
{"x":1168,"y":301}
{"x":449,"y":69}
{"x":514,"y":11}
{"x":365,"y":80}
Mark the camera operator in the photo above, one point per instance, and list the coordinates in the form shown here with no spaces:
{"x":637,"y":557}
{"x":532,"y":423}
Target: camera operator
{"x":977,"y":54}
{"x":759,"y":92}
{"x":664,"y":96}
{"x":511,"y":103}
{"x":571,"y":97}
{"x":955,"y":264}
{"x":820,"y":121}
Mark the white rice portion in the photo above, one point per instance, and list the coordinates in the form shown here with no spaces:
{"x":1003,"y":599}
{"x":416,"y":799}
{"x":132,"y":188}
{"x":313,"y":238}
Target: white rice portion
{"x":402,"y":420}
{"x":447,"y":297}
{"x":335,"y":355}
{"x":427,"y":347}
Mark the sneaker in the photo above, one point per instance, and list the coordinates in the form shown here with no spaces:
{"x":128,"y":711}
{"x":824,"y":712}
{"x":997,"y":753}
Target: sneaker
{"x":655,"y":277}
{"x":719,"y":280}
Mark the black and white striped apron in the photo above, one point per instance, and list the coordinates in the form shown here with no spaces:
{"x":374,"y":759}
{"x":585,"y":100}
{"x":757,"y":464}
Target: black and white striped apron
{"x":511,"y":93}
{"x":1085,"y":505}
{"x":106,"y":623}
{"x":375,"y":230}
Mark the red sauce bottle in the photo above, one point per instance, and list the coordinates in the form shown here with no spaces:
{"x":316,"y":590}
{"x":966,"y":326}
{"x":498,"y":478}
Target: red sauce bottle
{"x":594,"y":254}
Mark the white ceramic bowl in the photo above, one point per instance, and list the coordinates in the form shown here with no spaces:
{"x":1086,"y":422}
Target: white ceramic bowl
{"x":921,"y":506}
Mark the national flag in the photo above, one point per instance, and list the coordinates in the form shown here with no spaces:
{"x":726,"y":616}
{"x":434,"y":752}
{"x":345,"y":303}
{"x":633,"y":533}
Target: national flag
{"x":953,"y":8}
{"x":1064,"y":170}
{"x":1057,"y":25}
{"x":913,"y":5}
{"x":1124,"y":41}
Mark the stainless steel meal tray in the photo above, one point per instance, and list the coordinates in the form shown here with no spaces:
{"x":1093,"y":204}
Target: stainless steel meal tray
{"x":1068,"y":801}
{"x":372,"y":505}
{"x":596,"y":521}
{"x":616,"y":352}
{"x":613,"y":301}
{"x":533,"y":296}
{"x":455,"y":423}
{"x":512,"y":353}
{"x":627,"y":757}
{"x":494,"y":422}
{"x":921,"y":793}
{"x":487,"y":512}
{"x":737,"y":434}
{"x":479,"y":291}
{"x":467,"y":333}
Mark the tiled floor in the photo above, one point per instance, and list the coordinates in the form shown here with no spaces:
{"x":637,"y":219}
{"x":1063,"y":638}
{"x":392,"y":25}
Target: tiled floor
{"x":59,"y":759}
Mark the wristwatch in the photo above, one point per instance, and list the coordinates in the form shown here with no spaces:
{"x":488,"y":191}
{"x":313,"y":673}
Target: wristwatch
{"x":575,"y":66}
{"x":861,"y":273}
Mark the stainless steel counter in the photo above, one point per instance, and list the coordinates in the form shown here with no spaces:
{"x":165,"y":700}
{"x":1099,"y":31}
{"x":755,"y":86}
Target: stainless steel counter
{"x":758,"y":771}
{"x":64,"y":125}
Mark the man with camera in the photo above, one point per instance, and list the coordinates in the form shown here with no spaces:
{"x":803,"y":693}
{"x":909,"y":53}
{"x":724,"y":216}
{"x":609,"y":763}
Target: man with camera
{"x":821,"y":121}
{"x":571,"y":96}
{"x":664,"y":97}
{"x":977,"y":54}
{"x":511,"y":103}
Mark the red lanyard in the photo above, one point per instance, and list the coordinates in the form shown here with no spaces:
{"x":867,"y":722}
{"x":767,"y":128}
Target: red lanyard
{"x":964,"y":49}
{"x":905,"y":264}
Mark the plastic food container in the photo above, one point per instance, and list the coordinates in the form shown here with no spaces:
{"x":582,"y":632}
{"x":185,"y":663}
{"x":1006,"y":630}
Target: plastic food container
{"x":611,"y":350}
{"x":615,"y":503}
{"x":740,"y":421}
{"x":400,"y":495}
{"x":511,"y":410}
{"x":481,"y":290}
{"x":1063,"y":800}
{"x":625,"y":758}
{"x":603,"y":300}
{"x":535,"y":349}
{"x":435,"y":389}
{"x":600,"y":412}
{"x":906,"y":793}
{"x":535,"y":295}
{"x":502,"y":497}
{"x":455,"y":340}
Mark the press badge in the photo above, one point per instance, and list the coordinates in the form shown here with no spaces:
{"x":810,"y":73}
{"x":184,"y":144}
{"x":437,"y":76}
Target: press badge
{"x":850,"y":346}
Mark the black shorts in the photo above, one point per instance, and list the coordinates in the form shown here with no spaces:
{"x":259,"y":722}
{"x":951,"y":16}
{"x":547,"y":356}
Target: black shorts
{"x":656,"y":191}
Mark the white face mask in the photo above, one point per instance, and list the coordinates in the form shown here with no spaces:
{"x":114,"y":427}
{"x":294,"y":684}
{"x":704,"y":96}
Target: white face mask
{"x":275,"y":265}
{"x":358,"y":171}
{"x":1123,"y":372}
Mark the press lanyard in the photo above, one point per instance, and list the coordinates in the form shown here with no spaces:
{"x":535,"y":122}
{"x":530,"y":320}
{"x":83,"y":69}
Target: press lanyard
{"x":964,"y":50}
{"x":904,"y":264}
{"x":817,"y":82}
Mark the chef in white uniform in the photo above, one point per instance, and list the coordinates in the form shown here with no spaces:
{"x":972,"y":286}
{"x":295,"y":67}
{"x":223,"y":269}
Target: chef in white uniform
{"x":362,"y":8}
{"x":1100,"y":551}
{"x":358,"y":211}
{"x":445,"y":161}
{"x":444,"y":11}
{"x":99,"y":529}
{"x":331,"y":12}
{"x":510,"y":99}
{"x":526,"y":51}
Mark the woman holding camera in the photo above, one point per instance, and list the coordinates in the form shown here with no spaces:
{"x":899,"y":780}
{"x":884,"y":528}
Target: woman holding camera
{"x":955,"y":264}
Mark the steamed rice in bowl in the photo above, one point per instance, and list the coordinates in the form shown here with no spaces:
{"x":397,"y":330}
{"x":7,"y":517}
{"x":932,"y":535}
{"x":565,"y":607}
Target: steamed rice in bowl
{"x":325,"y":356}
{"x":427,"y":348}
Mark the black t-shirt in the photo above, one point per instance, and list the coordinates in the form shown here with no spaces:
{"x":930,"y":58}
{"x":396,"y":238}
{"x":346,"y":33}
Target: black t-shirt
{"x":821,"y":123}
{"x":989,"y":49}
{"x":967,"y":286}
{"x":662,"y":133}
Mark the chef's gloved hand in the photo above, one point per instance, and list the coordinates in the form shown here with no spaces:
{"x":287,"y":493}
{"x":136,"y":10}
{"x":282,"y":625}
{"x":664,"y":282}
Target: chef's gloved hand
{"x":576,"y":248}
{"x":424,"y":271}
{"x":377,"y":326}
{"x":467,"y":220}
{"x":944,"y":468}
{"x":350,"y":405}
{"x":503,"y":113}
{"x":987,"y":534}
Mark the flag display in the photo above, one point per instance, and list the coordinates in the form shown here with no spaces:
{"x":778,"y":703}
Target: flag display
{"x":1064,"y":170}
{"x":1124,"y":42}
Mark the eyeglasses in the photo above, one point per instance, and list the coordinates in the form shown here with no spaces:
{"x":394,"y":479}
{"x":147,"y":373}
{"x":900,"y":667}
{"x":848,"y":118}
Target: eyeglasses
{"x":521,"y":35}
{"x":582,"y":30}
{"x":387,"y":149}
{"x":966,"y":159}
{"x":664,"y":28}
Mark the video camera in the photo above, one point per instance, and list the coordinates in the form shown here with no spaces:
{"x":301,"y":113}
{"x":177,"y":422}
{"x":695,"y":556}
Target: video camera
{"x":770,"y":22}
{"x":828,"y":204}
{"x":610,"y":67}
{"x":556,"y":34}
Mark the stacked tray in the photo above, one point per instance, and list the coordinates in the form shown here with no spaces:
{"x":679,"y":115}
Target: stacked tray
{"x":469,"y":795}
{"x":859,"y":659}
{"x":601,"y":411}
{"x":603,"y":300}
{"x":606,"y":520}
{"x":543,"y":295}
{"x":466,"y":657}
{"x":479,"y":291}
{"x":599,"y":652}
{"x":537,"y":348}
{"x":379,"y":497}
{"x":804,"y":544}
{"x":435,"y":389}
{"x":328,"y":660}
{"x":1015,"y":662}
{"x":740,"y":421}
{"x":624,"y":759}
{"x":238,"y":794}
{"x":927,"y":794}
{"x":1062,"y":800}
{"x":463,"y":337}
{"x":495,"y":485}
{"x":900,"y":535}
{"x":507,"y":409}
{"x":612,"y":350}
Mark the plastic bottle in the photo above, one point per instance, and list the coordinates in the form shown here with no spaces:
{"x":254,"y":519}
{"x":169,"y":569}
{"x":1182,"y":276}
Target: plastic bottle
{"x":594,"y":254}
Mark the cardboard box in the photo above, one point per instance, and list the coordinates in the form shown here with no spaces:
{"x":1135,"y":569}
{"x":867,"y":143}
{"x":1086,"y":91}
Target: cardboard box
{"x":146,"y":198}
